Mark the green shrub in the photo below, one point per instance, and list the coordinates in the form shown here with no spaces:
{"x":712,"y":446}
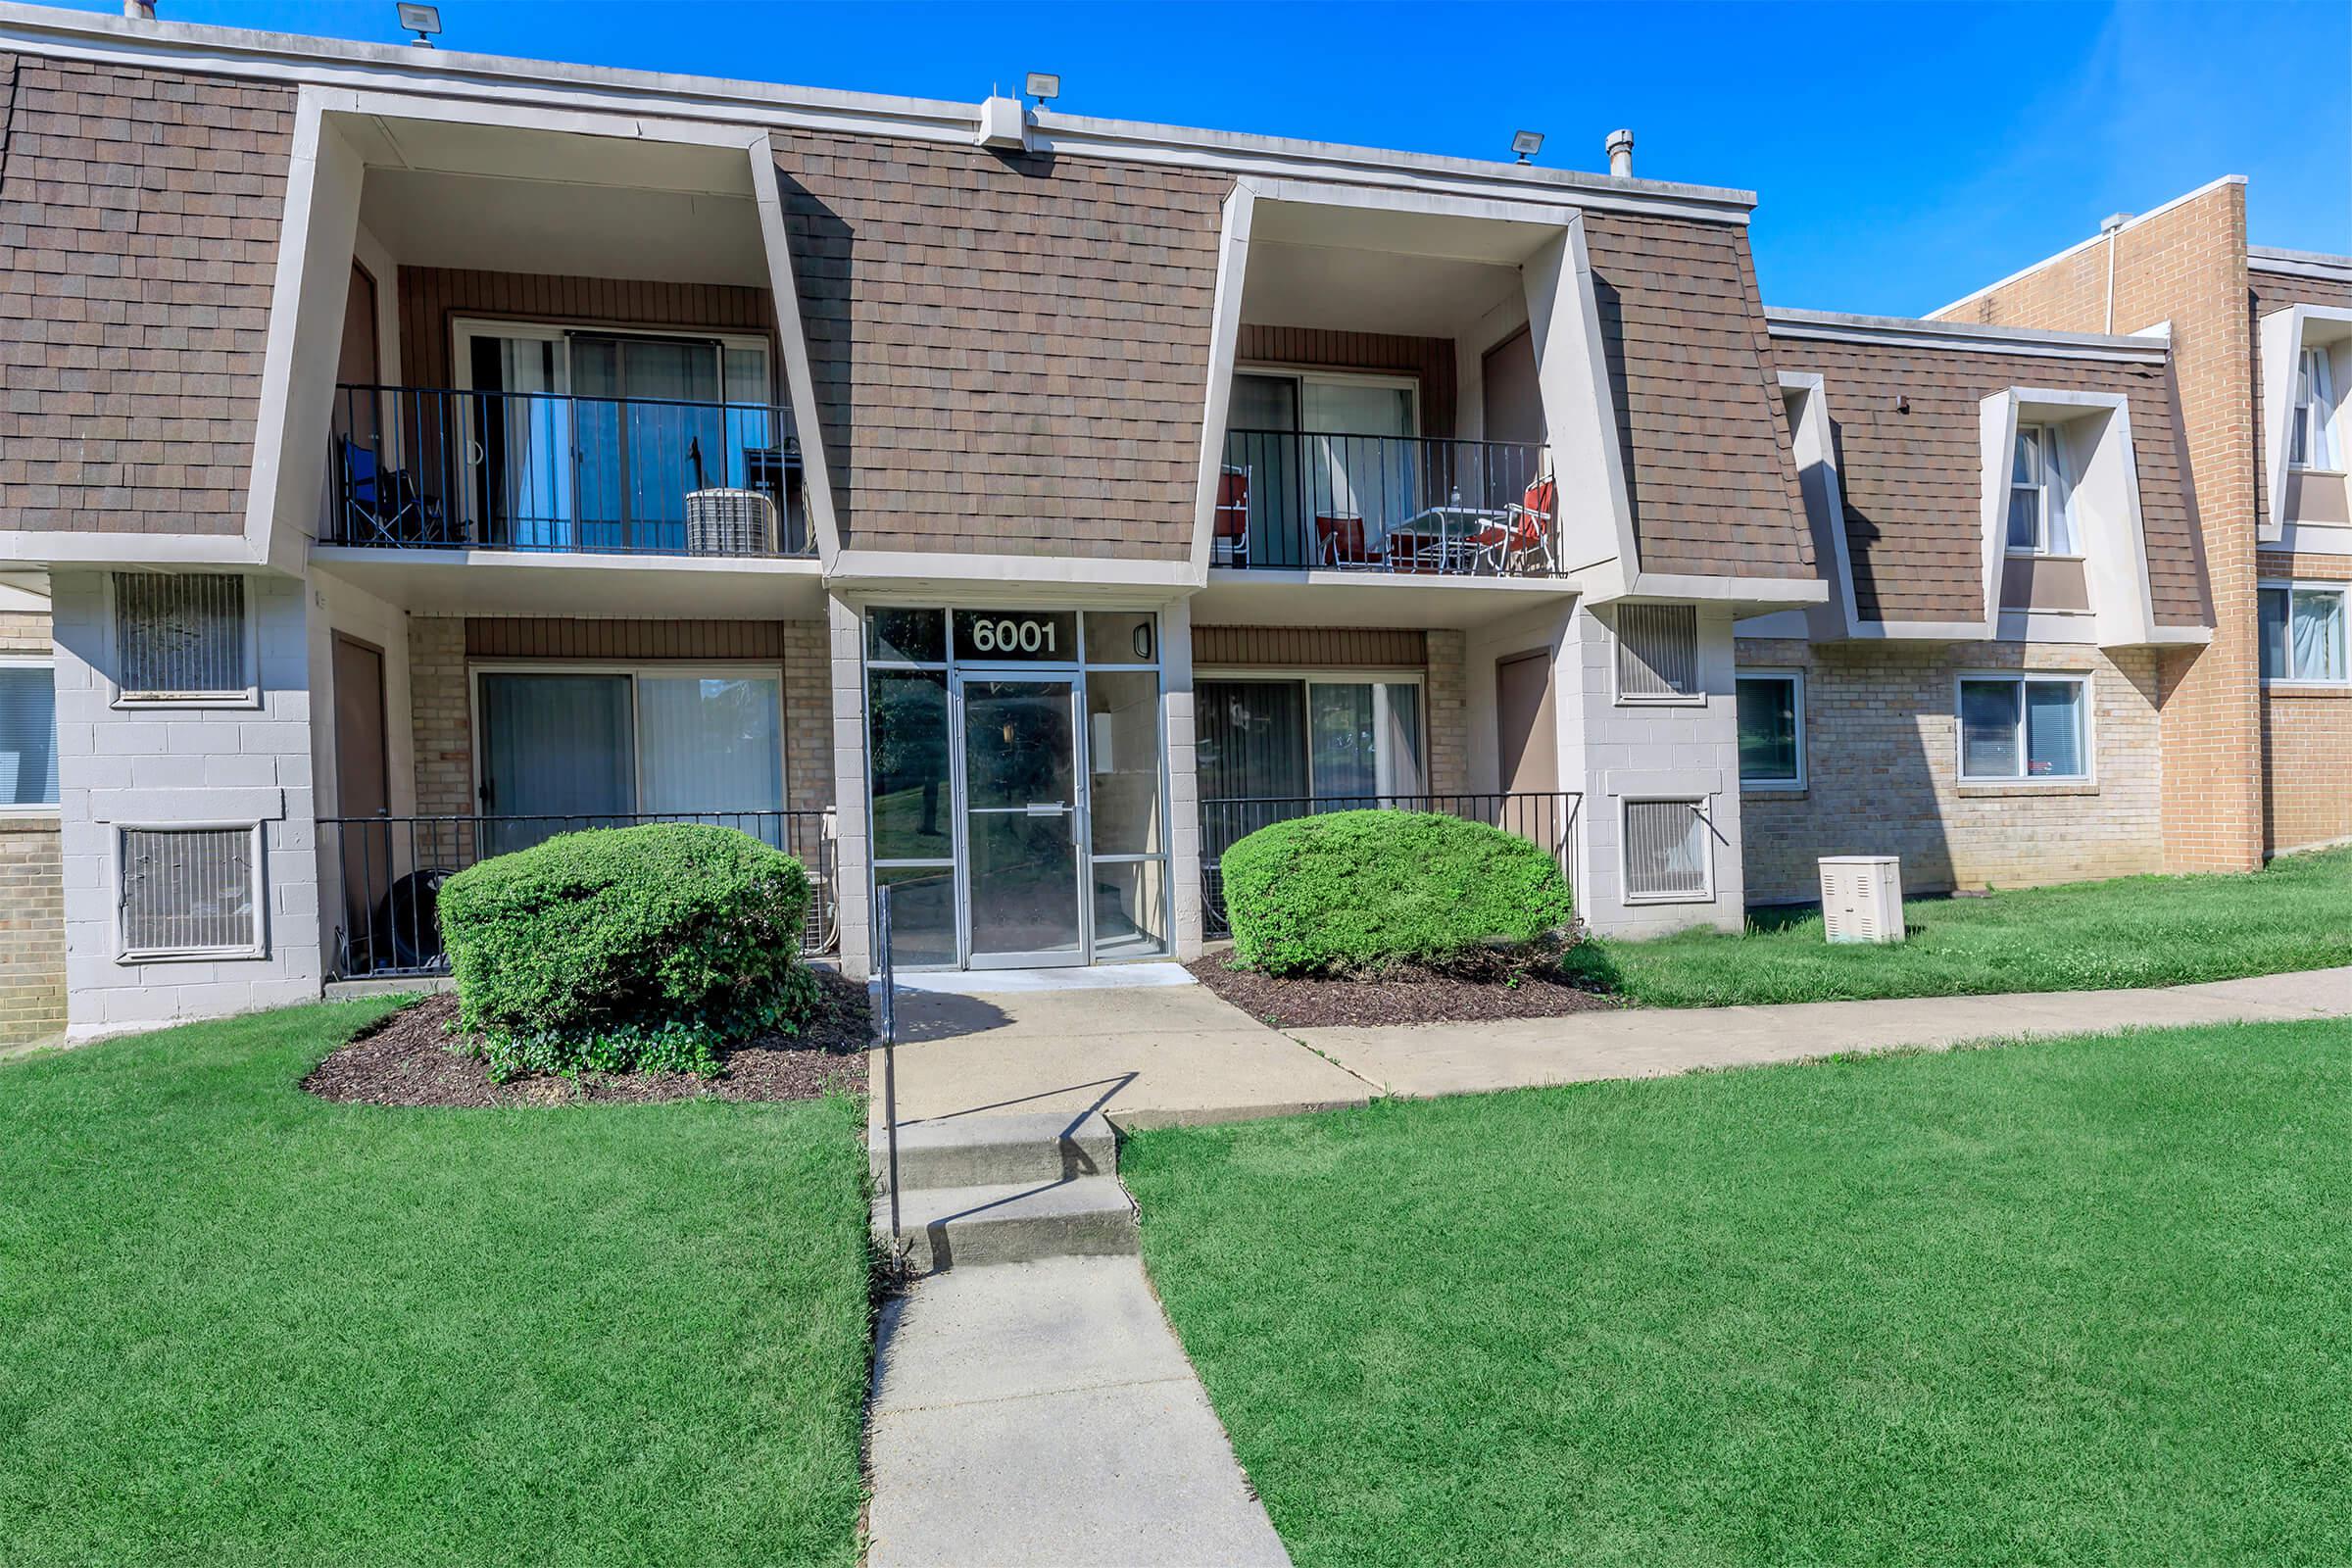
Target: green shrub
{"x":642,"y":946}
{"x":1363,"y":890}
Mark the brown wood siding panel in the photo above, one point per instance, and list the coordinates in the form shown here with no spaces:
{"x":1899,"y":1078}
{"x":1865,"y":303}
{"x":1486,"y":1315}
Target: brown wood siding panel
{"x":431,"y":298}
{"x":139,"y":218}
{"x":526,"y":637}
{"x":1914,"y":529}
{"x":1010,"y":351}
{"x":1309,"y":647}
{"x":1429,"y":361}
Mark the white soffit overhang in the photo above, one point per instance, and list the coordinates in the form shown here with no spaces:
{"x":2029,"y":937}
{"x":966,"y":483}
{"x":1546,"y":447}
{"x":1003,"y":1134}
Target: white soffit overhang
{"x":2285,"y":333}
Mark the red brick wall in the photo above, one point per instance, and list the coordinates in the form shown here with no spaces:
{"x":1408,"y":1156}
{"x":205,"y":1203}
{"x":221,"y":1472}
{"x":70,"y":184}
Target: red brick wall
{"x":139,"y":217}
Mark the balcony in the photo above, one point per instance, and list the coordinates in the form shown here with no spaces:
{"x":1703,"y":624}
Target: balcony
{"x":434,"y":468}
{"x":1289,"y":500}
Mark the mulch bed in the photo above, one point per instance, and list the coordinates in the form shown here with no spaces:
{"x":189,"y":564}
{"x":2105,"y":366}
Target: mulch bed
{"x":1413,"y":997}
{"x":407,"y":1061}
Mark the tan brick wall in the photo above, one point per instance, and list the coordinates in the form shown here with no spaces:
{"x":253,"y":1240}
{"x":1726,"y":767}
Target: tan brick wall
{"x":1882,"y":773}
{"x":32,"y":895}
{"x":442,"y":713}
{"x":139,"y":217}
{"x":2188,"y":266}
{"x":2305,"y":739}
{"x":1448,"y":715}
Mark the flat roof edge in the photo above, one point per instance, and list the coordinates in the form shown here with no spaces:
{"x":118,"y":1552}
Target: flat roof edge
{"x":2277,"y":258}
{"x":406,"y":68}
{"x":2080,"y":245}
{"x":1822,"y":323}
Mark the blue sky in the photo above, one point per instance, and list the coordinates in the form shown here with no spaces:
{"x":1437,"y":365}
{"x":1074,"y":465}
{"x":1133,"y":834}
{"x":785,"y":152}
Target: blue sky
{"x":1904,"y":153}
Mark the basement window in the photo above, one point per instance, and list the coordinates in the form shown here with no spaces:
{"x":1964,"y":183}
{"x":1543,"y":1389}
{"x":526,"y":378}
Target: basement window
{"x":1657,"y":654}
{"x":183,"y":639}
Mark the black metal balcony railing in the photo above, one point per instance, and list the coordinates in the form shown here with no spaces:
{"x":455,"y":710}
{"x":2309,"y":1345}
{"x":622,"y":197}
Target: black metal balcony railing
{"x":429,"y":467}
{"x":1544,"y":819}
{"x":1413,"y":504}
{"x":391,"y":869}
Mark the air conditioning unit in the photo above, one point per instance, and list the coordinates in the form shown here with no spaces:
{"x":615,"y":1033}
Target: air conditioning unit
{"x":1862,"y":898}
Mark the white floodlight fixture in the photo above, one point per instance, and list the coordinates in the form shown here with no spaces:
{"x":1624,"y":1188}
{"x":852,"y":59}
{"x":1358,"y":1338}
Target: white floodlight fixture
{"x":1043,"y":85}
{"x":1527,"y":143}
{"x":422,"y":21}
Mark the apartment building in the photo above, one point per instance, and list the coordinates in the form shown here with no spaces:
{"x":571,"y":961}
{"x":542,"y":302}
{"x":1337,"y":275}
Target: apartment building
{"x":410,"y":454}
{"x":2258,"y":743}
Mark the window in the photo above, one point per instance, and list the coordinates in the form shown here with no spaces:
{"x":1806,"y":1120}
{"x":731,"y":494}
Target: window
{"x":2303,"y":632}
{"x":2041,"y":503}
{"x":1657,"y":654}
{"x":190,"y":892}
{"x":183,"y":638}
{"x":1667,"y":858}
{"x":27,"y":733}
{"x":1772,"y":731}
{"x":2023,"y":727}
{"x":1310,"y":737}
{"x":571,"y":747}
{"x":2312,"y":439}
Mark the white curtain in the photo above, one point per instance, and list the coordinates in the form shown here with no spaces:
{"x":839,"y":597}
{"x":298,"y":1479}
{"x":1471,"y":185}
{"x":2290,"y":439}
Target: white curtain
{"x":2319,"y":635}
{"x":709,"y":744}
{"x":1399,"y":750}
{"x":2321,"y":449}
{"x":2059,"y":488}
{"x":1359,"y":465}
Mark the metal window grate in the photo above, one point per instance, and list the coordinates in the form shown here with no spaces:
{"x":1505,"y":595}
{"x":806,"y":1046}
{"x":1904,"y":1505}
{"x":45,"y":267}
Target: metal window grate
{"x":180,"y":635}
{"x":1665,"y":850}
{"x":188,"y":890}
{"x":1657,"y":651}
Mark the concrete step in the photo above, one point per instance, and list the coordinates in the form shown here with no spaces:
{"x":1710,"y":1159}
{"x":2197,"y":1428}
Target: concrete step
{"x":1035,"y":1148}
{"x":1016,"y":1222}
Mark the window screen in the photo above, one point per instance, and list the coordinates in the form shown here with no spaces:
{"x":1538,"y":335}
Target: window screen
{"x":1657,"y":651}
{"x":180,"y":635}
{"x":188,"y":890}
{"x":28,"y":735}
{"x":1665,"y":850}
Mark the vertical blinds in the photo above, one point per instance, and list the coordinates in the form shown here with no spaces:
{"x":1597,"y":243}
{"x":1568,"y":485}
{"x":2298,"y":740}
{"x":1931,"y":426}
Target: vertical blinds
{"x":1657,"y":650}
{"x":28,"y":735}
{"x":180,"y":634}
{"x":1665,"y":850}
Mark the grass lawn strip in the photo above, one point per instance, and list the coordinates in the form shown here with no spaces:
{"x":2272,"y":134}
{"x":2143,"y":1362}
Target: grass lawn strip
{"x":2072,"y":1301}
{"x":240,"y":1325}
{"x":2295,"y":915}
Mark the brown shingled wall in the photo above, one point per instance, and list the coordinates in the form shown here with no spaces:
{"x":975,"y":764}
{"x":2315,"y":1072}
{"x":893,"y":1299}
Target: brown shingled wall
{"x":139,"y":216}
{"x":1010,"y":352}
{"x":1713,"y":486}
{"x":1913,"y":483}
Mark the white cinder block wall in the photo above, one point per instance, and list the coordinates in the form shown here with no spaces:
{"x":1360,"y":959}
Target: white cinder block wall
{"x":156,"y":766}
{"x":1621,"y":751}
{"x":1184,"y":781}
{"x":853,"y":851}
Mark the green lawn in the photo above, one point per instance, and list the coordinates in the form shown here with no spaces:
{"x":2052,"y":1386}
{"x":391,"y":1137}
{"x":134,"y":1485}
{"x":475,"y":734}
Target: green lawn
{"x":2087,"y":1301}
{"x":2135,"y":931}
{"x":239,"y":1325}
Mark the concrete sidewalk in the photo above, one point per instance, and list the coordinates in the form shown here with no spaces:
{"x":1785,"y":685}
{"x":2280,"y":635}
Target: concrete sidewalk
{"x":1148,"y":1055}
{"x":1044,"y":1413}
{"x":1427,"y":1060}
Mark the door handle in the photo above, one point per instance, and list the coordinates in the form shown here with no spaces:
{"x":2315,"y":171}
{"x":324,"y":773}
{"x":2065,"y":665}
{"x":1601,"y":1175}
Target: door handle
{"x":1047,"y":807}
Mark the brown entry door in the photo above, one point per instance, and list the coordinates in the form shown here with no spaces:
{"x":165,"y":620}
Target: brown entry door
{"x":1527,"y":748}
{"x":362,"y":782}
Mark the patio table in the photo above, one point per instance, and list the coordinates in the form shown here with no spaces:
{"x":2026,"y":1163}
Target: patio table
{"x":1438,"y":539}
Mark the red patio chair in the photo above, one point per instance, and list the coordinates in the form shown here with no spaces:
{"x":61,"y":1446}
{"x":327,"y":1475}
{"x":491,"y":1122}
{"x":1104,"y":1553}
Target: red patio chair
{"x":1228,"y":542}
{"x":1523,"y":533}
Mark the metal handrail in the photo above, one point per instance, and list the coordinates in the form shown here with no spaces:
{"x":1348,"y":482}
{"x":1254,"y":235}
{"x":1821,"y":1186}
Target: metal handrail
{"x":1338,"y":499}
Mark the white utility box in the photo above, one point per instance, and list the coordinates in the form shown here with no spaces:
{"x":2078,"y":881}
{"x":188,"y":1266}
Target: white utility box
{"x":1862,"y":898}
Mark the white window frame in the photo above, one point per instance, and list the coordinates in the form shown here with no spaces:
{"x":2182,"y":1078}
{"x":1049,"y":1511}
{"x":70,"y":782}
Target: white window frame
{"x":250,"y":697}
{"x":1797,"y":679}
{"x":2025,"y":776}
{"x":463,"y":330}
{"x":1701,"y":809}
{"x":2050,"y":454}
{"x":2309,"y":419}
{"x":126,"y":954}
{"x":47,"y":661}
{"x":1303,"y":374}
{"x":1376,"y":679}
{"x":1696,"y":697}
{"x":634,"y":671}
{"x":2292,"y":586}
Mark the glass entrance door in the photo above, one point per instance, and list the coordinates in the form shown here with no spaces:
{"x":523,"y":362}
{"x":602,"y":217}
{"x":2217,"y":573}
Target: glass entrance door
{"x":1025,"y":821}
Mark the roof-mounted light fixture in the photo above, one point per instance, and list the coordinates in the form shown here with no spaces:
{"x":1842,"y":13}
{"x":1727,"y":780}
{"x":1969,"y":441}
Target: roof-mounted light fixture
{"x":422,"y":21}
{"x":1527,"y":143}
{"x":1042,"y":86}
